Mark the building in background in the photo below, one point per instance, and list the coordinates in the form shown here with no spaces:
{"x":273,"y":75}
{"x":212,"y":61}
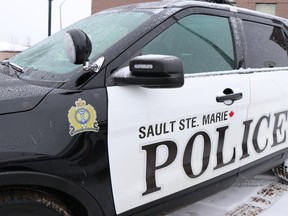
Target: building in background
{"x":9,"y":50}
{"x":98,"y":5}
{"x":275,"y":7}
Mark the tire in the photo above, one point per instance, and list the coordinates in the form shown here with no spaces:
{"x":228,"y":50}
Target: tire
{"x":281,"y":171}
{"x":30,"y":202}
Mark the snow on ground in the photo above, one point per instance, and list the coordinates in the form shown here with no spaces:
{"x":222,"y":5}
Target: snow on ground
{"x":11,"y":47}
{"x":262,"y":195}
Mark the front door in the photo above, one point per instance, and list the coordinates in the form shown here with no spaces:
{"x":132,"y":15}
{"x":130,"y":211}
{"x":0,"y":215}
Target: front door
{"x":162,"y":141}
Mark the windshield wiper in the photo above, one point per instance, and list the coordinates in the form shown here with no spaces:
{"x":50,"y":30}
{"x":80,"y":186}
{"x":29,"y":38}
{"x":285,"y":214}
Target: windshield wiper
{"x":17,"y":69}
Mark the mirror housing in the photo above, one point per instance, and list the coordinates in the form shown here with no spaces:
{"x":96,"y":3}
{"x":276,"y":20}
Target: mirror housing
{"x":154,"y":71}
{"x":78,"y":46}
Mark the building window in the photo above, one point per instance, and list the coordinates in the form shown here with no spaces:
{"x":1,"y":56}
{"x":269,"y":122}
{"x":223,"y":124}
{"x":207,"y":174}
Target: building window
{"x":266,"y":8}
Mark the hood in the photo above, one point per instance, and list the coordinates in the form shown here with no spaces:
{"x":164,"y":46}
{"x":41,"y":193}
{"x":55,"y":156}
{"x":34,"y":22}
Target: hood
{"x":18,"y":96}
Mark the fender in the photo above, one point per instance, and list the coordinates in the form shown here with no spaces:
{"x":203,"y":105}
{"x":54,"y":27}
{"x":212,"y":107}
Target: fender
{"x":11,"y":178}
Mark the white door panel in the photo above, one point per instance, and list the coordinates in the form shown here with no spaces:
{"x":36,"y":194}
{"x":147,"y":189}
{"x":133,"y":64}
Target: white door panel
{"x":267,"y":115}
{"x":162,"y":141}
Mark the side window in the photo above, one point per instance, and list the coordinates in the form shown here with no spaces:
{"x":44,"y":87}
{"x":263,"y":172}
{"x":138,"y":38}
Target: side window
{"x":203,"y":43}
{"x":266,"y":46}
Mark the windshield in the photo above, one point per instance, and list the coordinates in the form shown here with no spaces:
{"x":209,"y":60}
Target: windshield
{"x":47,"y":60}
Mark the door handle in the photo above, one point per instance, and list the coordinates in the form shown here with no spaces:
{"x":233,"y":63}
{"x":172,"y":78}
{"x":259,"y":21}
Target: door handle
{"x":232,"y":97}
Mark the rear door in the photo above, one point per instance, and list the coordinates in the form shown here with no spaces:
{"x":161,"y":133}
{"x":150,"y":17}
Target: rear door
{"x":267,"y":60}
{"x":162,"y":141}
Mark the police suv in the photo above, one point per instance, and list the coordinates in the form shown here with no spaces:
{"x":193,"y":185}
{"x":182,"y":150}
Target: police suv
{"x":141,"y":108}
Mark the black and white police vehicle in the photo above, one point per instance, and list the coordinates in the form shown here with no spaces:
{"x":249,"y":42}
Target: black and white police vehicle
{"x":166,"y":102}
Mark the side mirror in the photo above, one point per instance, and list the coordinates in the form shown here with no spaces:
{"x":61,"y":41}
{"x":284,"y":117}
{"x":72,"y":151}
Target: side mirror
{"x":154,"y":71}
{"x":77,"y":46}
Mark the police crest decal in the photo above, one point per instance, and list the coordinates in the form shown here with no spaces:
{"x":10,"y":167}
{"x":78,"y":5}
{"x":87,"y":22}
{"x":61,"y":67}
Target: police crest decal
{"x":82,"y":118}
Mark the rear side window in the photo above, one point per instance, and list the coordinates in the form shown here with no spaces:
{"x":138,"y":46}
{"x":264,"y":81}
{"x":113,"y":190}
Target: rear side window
{"x":266,"y":46}
{"x":204,"y":43}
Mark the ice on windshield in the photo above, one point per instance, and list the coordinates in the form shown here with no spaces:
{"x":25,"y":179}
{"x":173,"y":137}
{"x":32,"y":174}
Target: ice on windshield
{"x":48,"y":59}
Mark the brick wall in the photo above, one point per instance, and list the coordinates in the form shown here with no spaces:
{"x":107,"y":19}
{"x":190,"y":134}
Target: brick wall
{"x":6,"y":54}
{"x":282,"y":10}
{"x":281,"y":5}
{"x":98,"y":5}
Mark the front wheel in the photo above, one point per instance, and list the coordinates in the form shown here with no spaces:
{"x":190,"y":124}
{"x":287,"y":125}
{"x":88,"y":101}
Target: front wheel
{"x":29,"y":202}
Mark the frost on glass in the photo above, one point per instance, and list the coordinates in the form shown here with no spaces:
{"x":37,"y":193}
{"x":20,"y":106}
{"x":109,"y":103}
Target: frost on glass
{"x":104,"y":30}
{"x":203,"y":43}
{"x":267,"y":46}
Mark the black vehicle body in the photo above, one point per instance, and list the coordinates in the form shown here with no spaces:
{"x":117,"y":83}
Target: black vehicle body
{"x":38,"y":153}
